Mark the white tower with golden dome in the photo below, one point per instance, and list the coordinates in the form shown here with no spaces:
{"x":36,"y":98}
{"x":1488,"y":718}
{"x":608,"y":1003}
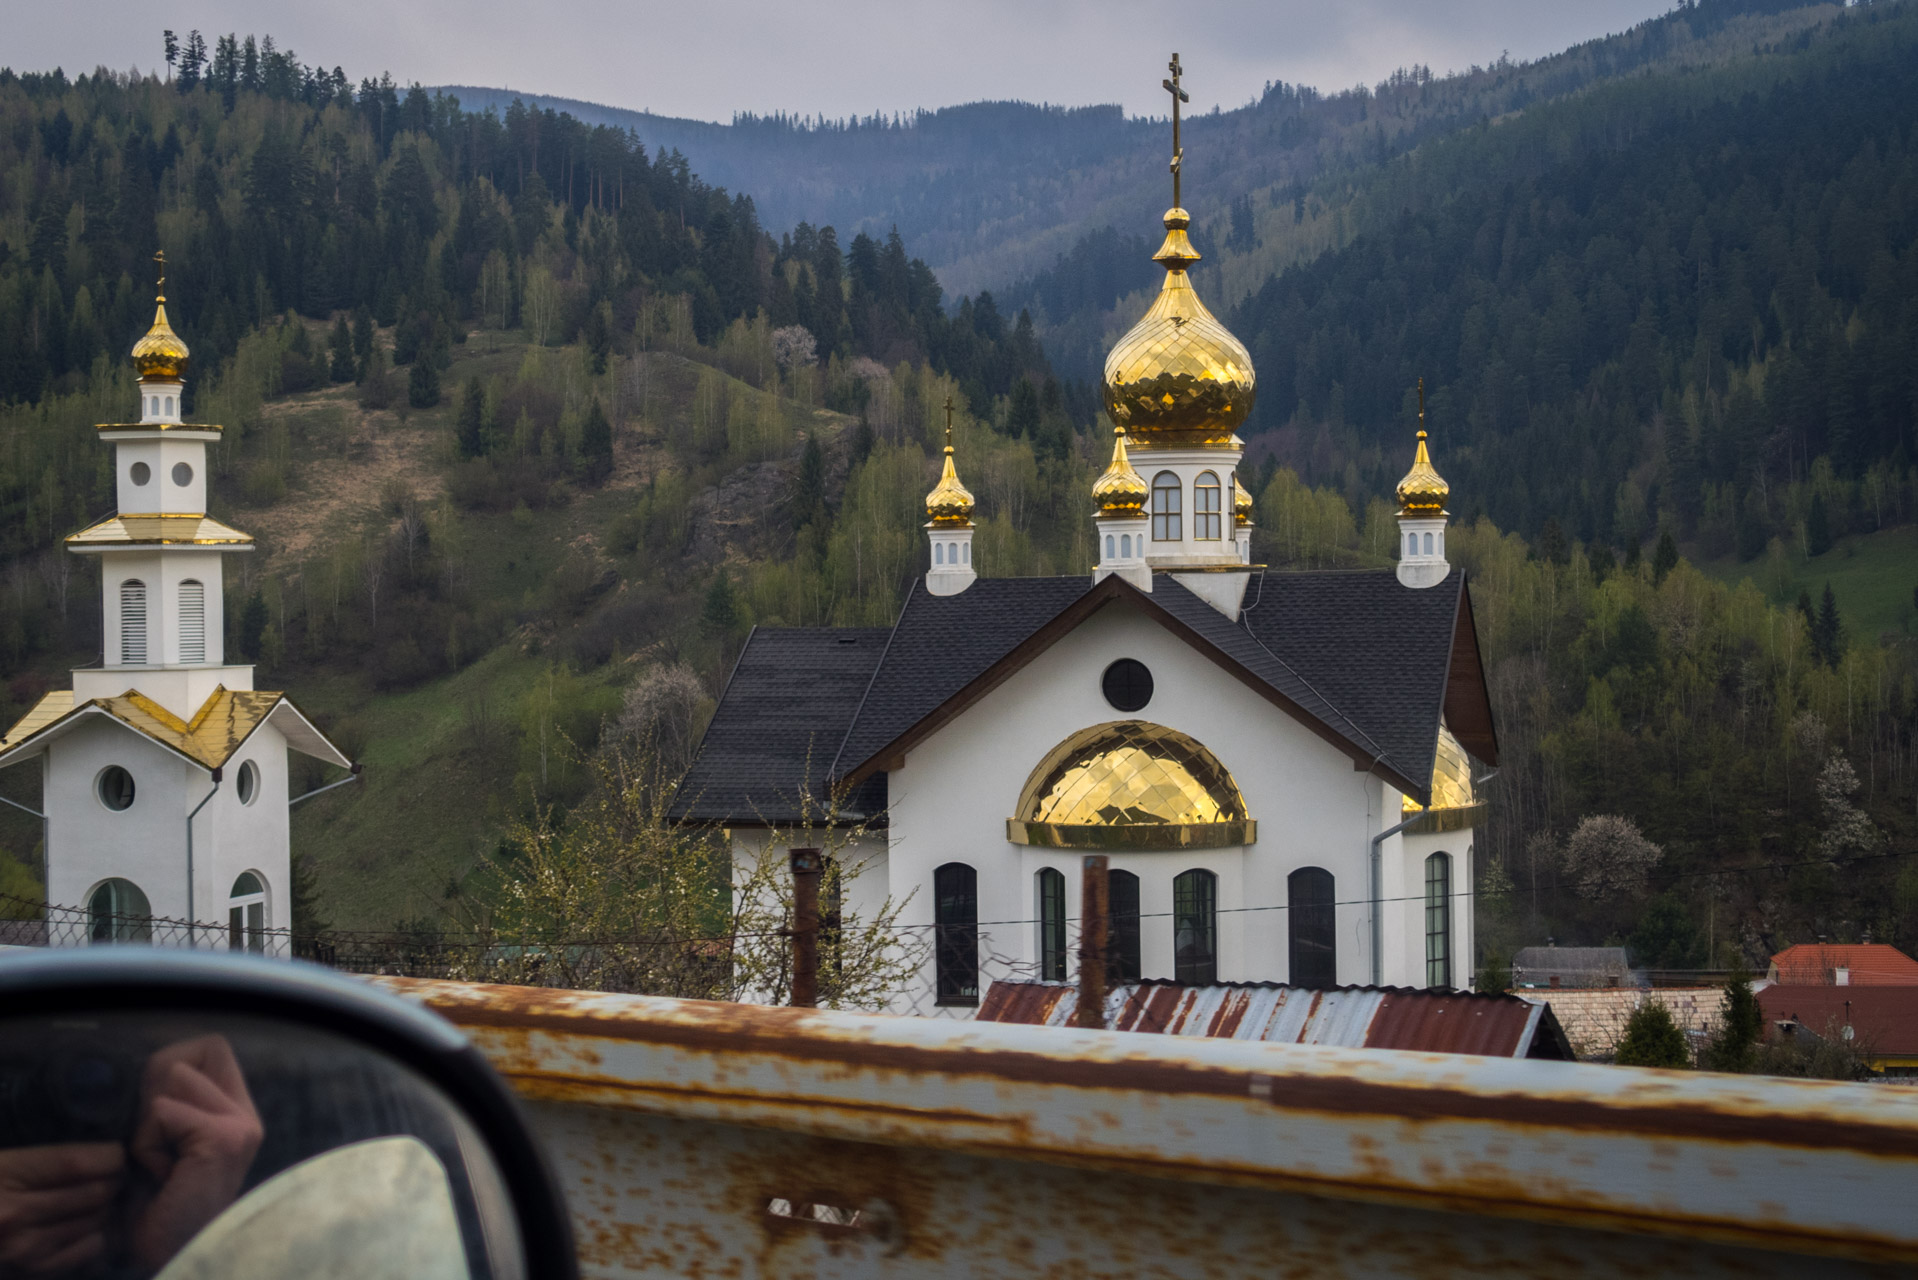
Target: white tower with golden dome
{"x":165,"y":773}
{"x":1178,"y":385}
{"x":1422,"y":516}
{"x":949,"y":528}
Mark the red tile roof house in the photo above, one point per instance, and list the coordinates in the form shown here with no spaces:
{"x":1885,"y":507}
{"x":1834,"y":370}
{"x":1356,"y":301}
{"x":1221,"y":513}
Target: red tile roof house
{"x":1843,"y":965}
{"x":1884,"y":1018}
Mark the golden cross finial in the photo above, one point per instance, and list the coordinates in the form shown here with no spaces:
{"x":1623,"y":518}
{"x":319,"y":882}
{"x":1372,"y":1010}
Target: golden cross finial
{"x":948,"y":422}
{"x":1421,"y":408}
{"x":160,"y":257}
{"x":1178,"y":95}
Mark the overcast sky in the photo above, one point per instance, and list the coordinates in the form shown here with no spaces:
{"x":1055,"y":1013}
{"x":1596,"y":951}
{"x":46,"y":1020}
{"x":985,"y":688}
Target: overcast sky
{"x":708,"y":60}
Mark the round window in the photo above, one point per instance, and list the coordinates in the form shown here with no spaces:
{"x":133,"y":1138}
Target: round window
{"x":116,"y":788}
{"x":182,"y":474}
{"x":249,"y":782}
{"x":140,"y":473}
{"x":1127,"y":684}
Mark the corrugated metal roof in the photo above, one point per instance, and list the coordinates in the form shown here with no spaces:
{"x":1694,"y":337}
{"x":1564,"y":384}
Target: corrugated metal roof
{"x":1498,"y":1026}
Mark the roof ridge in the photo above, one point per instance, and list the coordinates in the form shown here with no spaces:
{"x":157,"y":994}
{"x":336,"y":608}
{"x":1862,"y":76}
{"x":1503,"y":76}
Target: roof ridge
{"x":832,"y":769}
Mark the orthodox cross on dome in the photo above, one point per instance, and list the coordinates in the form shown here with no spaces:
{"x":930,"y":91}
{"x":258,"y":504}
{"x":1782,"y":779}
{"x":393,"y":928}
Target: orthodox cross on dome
{"x":160,"y":257}
{"x":1178,"y":95}
{"x":1421,"y":408}
{"x":948,"y":422}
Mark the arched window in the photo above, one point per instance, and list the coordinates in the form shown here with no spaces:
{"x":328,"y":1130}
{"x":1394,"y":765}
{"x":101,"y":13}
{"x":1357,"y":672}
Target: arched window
{"x":1312,"y":928}
{"x":1165,"y":508}
{"x":1205,"y":507}
{"x":1111,"y":551}
{"x":169,"y":406}
{"x":955,"y":893}
{"x":118,"y":912}
{"x":1428,"y":544}
{"x":1195,"y":927}
{"x":192,"y":621}
{"x":1122,"y":946}
{"x":938,"y":553}
{"x":1438,"y":920}
{"x":968,"y":553}
{"x":246,"y":914}
{"x":133,"y":623}
{"x":1411,"y":544}
{"x":1125,"y":545}
{"x":1052,"y":925}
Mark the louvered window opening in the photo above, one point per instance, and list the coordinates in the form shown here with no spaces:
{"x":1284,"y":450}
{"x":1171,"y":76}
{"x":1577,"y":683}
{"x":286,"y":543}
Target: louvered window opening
{"x":192,"y":621}
{"x":133,"y":623}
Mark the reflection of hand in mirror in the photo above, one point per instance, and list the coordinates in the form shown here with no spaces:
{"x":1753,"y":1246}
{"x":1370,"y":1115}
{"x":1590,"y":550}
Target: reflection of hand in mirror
{"x":197,"y":1135}
{"x":54,"y":1202}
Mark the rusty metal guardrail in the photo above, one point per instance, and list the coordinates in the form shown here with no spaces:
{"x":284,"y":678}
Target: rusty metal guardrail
{"x":715,"y":1139}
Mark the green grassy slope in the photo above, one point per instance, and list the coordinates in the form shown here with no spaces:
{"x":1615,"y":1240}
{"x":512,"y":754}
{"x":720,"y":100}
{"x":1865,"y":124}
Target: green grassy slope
{"x":1872,"y":575}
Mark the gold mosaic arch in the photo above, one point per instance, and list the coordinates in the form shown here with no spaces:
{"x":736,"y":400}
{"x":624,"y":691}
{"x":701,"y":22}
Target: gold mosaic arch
{"x":1130,"y":784}
{"x":1455,"y":804}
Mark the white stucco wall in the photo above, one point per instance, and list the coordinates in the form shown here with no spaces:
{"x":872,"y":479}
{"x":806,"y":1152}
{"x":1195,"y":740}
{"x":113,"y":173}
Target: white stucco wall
{"x":951,"y":799}
{"x":162,"y":573}
{"x":162,"y":494}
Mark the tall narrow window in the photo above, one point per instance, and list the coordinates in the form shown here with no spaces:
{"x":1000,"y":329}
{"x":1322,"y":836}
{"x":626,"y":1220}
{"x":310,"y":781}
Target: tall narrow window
{"x":1122,"y":944}
{"x":1205,"y":507}
{"x":1428,"y":544}
{"x":1052,"y":925}
{"x":1438,"y":920}
{"x":955,"y":891}
{"x":118,"y":912}
{"x":192,"y":621}
{"x":1311,"y":924}
{"x":1195,"y":927}
{"x":1165,"y":508}
{"x":246,"y":914}
{"x":1110,"y":549}
{"x":133,"y":623}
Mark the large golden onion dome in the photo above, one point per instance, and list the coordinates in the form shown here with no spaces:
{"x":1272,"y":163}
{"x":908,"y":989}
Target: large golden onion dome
{"x":1455,"y":803}
{"x":1241,"y":503}
{"x":1128,"y":784}
{"x":1121,"y":491}
{"x":949,"y":505}
{"x":1423,"y":491}
{"x":161,"y":355}
{"x":1178,"y":378}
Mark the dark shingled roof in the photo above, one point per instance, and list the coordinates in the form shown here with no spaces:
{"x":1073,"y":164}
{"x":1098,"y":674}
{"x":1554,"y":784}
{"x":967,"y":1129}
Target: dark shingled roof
{"x":1364,"y":657}
{"x":1378,"y":651}
{"x":783,"y":715}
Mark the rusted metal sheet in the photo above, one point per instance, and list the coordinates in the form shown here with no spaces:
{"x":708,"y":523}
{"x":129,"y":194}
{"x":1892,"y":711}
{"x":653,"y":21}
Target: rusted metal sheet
{"x":1352,"y":1017}
{"x":701,"y":1139}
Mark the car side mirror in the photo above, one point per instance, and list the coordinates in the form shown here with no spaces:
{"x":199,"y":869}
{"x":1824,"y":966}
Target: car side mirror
{"x":197,"y":1116}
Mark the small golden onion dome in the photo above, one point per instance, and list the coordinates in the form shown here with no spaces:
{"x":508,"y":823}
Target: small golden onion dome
{"x":1121,"y":491}
{"x":1423,"y":491}
{"x":1178,"y":378}
{"x":160,"y":356}
{"x":1131,"y":784}
{"x":950,"y":503}
{"x":1241,"y":503}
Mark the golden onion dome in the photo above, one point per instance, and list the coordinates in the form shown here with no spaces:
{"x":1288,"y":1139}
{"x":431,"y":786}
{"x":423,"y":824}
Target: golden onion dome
{"x":1455,"y":803}
{"x":1121,"y":491}
{"x":161,"y":355}
{"x":950,"y":503}
{"x":1128,"y":784}
{"x":1423,"y":491}
{"x":1178,"y":378}
{"x":1241,"y":503}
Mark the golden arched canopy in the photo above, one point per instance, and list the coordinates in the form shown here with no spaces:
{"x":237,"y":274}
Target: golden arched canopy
{"x":1129,"y":784}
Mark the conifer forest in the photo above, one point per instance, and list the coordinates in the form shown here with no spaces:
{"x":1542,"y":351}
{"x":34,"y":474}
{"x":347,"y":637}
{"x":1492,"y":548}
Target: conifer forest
{"x":532,"y":423}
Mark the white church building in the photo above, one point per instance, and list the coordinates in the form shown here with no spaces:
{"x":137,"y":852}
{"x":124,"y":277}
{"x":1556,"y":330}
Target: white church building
{"x":1279,"y":766}
{"x":164,"y":772}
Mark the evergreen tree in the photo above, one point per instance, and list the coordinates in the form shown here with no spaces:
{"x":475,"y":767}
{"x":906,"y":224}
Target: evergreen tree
{"x":362,"y":340}
{"x":1652,"y":1039}
{"x":423,"y":385}
{"x":253,"y":620}
{"x":470,"y":432}
{"x":1828,"y":630}
{"x":303,"y":901}
{"x":1741,"y":1022}
{"x":596,"y":445}
{"x":721,"y":610}
{"x":1602,"y":562}
{"x":809,"y":488}
{"x":1022,"y":412}
{"x":1665,"y":558}
{"x":598,"y":337}
{"x":1552,"y":546}
{"x":1818,"y":526}
{"x":341,"y":363}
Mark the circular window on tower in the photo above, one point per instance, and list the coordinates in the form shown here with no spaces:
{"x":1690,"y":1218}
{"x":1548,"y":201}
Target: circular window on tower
{"x":115,"y":786}
{"x":1127,"y":684}
{"x":140,"y":473}
{"x":182,"y":474}
{"x":249,"y":782}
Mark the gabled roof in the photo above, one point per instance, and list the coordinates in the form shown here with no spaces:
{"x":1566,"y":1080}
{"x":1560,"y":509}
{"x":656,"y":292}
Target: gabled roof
{"x":1866,"y":964}
{"x":217,"y":731}
{"x":158,"y":531}
{"x":780,"y":720}
{"x":1885,"y":1018}
{"x":1486,"y":1025}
